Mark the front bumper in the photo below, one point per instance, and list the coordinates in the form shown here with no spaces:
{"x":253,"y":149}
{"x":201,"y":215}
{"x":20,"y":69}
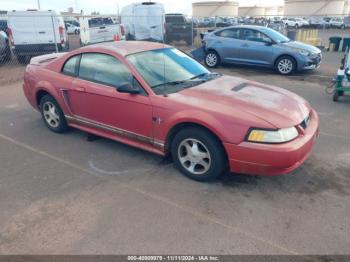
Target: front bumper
{"x":273,"y":159}
{"x":310,"y":63}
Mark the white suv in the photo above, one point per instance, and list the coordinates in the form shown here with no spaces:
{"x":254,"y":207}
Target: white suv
{"x":295,"y":22}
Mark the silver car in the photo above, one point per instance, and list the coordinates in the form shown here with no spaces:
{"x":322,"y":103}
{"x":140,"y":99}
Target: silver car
{"x":259,"y":46}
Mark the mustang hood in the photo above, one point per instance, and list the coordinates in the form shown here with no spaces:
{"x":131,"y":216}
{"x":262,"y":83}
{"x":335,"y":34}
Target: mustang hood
{"x":275,"y":105}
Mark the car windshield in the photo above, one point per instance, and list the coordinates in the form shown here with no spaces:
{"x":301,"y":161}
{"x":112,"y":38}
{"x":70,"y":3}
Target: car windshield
{"x":169,"y":70}
{"x":275,"y":36}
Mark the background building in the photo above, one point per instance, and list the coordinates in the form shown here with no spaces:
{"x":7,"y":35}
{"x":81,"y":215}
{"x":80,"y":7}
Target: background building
{"x":253,"y":11}
{"x":346,"y":9}
{"x":217,"y":8}
{"x":313,"y":7}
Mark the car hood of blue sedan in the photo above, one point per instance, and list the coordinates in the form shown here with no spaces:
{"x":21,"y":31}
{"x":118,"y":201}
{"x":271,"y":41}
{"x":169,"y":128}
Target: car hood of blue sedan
{"x":302,"y":46}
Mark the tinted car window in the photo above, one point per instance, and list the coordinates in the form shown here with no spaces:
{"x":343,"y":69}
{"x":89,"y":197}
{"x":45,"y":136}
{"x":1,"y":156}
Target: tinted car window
{"x":175,"y":19}
{"x":71,"y":66}
{"x":229,"y":33}
{"x":253,"y":35}
{"x":100,"y":21}
{"x":104,"y":69}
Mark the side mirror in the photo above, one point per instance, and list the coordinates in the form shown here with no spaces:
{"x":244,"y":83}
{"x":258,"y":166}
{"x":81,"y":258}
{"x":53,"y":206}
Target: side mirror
{"x":127,"y":88}
{"x":269,"y":43}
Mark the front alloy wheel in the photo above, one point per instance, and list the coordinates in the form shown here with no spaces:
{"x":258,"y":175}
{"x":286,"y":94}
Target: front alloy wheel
{"x":194,"y":156}
{"x":285,"y":65}
{"x":198,"y":154}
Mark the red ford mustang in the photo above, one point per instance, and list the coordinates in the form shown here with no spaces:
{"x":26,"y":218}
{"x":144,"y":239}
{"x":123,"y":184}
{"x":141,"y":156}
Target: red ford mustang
{"x":154,"y":97}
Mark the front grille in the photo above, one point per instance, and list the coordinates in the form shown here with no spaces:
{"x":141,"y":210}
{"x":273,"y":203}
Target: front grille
{"x":305,"y":122}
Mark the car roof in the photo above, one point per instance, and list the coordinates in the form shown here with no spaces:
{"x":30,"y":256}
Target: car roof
{"x":125,"y":48}
{"x":257,"y":27}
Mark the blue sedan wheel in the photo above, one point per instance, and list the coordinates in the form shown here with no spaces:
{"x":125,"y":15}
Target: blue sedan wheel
{"x":212,"y":59}
{"x":285,"y":65}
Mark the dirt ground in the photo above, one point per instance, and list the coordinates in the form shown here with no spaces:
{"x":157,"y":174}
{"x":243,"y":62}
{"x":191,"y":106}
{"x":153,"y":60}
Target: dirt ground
{"x":60,"y":194}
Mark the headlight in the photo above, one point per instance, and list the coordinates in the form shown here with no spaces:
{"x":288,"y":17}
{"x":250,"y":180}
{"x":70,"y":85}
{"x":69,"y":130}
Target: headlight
{"x":272,"y":136}
{"x":304,"y":52}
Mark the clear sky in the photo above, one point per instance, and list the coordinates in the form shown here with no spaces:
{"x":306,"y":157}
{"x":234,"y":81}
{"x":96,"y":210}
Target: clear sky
{"x":111,"y":6}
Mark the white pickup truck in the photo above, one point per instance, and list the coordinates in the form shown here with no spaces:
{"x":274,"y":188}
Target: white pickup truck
{"x":99,"y":29}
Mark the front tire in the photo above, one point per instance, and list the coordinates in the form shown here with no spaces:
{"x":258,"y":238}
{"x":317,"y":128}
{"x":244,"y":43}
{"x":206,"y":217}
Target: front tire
{"x":286,"y":65}
{"x":52,"y":115}
{"x":212,"y":59}
{"x":198,"y":154}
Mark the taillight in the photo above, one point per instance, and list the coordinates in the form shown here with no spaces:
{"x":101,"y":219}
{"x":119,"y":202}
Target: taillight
{"x":122,"y":30}
{"x":9,"y":32}
{"x":61,"y":32}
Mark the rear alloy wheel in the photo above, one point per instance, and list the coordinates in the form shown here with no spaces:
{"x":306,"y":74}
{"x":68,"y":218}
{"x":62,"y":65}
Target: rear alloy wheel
{"x":212,"y":59}
{"x":198,"y":154}
{"x":285,"y":65}
{"x":52,"y":114}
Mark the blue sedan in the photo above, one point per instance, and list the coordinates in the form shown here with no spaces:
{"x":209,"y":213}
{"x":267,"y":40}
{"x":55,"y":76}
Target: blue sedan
{"x":259,"y":46}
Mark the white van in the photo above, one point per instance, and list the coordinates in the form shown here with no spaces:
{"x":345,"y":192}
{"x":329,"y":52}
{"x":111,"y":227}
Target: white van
{"x":144,"y":21}
{"x":99,"y":29}
{"x":36,"y":32}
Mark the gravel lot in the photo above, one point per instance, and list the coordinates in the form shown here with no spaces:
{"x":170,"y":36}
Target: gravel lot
{"x":60,"y":194}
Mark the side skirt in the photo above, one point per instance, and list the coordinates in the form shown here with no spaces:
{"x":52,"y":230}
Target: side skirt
{"x":117,"y":134}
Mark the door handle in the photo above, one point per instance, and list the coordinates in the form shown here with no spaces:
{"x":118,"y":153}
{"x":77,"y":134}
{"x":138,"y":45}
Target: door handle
{"x":245,"y":45}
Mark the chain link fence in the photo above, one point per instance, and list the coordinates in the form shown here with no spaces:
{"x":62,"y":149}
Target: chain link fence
{"x":24,"y":35}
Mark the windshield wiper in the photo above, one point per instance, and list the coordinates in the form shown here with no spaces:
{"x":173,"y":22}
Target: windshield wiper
{"x":205,"y":74}
{"x":172,"y":83}
{"x":200,"y":75}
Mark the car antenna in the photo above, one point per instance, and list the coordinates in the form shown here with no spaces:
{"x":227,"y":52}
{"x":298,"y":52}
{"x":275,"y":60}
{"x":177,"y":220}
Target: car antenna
{"x":163,"y":87}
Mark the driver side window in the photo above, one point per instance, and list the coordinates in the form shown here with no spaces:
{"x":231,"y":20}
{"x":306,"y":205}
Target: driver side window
{"x":104,"y":69}
{"x":254,"y":35}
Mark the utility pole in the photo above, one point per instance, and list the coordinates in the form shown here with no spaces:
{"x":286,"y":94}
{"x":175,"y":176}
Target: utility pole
{"x":39,"y":4}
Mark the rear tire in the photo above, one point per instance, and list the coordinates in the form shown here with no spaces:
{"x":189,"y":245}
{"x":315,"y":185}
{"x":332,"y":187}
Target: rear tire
{"x":198,"y":154}
{"x":212,"y":59}
{"x":52,"y":115}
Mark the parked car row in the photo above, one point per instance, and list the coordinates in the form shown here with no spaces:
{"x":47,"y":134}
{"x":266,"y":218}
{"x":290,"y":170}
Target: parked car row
{"x":293,"y":22}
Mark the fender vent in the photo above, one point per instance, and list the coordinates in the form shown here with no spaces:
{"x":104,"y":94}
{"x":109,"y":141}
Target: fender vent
{"x":239,"y":87}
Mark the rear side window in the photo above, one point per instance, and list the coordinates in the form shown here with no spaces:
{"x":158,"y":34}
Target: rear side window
{"x":104,"y":69}
{"x":71,"y":66}
{"x":229,"y":33}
